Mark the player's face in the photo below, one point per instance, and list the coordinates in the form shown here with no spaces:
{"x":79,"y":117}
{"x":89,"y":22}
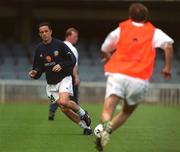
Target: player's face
{"x":45,"y":33}
{"x":73,"y":37}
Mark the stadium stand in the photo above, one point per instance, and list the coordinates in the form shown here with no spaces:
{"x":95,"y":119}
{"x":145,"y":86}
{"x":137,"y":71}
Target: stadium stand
{"x":16,"y":61}
{"x":19,"y":20}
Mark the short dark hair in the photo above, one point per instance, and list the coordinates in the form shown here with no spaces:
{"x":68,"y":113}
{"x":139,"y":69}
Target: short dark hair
{"x":44,"y":24}
{"x":70,"y":30}
{"x":138,"y":12}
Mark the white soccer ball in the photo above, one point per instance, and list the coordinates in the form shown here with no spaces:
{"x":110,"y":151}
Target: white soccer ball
{"x":98,"y":129}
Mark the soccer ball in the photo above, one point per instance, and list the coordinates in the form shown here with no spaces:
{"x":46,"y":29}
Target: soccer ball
{"x":98,"y":130}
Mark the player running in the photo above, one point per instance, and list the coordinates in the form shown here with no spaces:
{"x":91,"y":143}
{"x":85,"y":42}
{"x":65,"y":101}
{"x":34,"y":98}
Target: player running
{"x":57,"y":61}
{"x":130,"y":67}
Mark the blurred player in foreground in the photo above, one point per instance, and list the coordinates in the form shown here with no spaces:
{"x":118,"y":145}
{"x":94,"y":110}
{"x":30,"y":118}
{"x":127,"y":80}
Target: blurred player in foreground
{"x":71,"y":39}
{"x":57,"y":61}
{"x":130,"y":67}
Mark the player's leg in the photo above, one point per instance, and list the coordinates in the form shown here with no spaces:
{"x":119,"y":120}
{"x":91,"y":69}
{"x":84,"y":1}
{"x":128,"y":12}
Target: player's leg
{"x":65,"y":90}
{"x":53,"y":97}
{"x":115,"y":123}
{"x":53,"y":106}
{"x":85,"y":120}
{"x":135,"y":89}
{"x":75,"y":98}
{"x":70,"y":114}
{"x":114,"y":92}
{"x":65,"y":87}
{"x":75,"y":94}
{"x":109,"y":108}
{"x":75,"y":118}
{"x":69,"y":104}
{"x":52,"y":110}
{"x":64,"y":102}
{"x":53,"y":94}
{"x":122,"y":116}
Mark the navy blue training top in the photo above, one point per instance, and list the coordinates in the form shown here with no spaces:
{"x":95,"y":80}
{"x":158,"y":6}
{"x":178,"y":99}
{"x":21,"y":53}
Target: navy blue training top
{"x":48,"y":55}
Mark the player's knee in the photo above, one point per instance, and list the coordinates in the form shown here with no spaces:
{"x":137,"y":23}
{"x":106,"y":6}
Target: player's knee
{"x":63,"y":109}
{"x":128,"y":110}
{"x":62,"y":102}
{"x":105,"y":116}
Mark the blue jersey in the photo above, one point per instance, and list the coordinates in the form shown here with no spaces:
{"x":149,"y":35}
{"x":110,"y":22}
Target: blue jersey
{"x":48,"y":55}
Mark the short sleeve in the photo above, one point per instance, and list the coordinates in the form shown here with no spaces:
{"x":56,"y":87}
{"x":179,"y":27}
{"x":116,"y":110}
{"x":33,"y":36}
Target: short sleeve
{"x":160,"y":39}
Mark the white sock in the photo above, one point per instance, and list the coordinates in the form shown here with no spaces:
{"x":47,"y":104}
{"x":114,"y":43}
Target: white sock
{"x":81,"y":112}
{"x":82,"y":124}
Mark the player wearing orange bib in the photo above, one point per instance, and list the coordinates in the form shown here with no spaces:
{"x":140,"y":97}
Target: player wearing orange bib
{"x":130,"y":67}
{"x":134,"y":55}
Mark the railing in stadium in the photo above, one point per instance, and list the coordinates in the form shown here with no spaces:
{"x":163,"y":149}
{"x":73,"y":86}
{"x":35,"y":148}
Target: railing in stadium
{"x":92,"y":92}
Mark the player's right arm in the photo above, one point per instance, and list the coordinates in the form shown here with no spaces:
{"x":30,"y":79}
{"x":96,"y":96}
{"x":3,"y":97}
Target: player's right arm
{"x":109,"y":44}
{"x":32,"y":73}
{"x":37,"y":68}
{"x":76,"y":75}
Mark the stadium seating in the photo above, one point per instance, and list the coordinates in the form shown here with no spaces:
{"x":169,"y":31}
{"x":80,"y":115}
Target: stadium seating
{"x":16,"y":61}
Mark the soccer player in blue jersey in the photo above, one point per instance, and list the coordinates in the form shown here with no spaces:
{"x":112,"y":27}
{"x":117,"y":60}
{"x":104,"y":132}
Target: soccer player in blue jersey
{"x":57,"y":61}
{"x":71,"y":38}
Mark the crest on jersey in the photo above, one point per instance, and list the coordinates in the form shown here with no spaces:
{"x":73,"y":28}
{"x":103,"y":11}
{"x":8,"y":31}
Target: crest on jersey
{"x":48,"y":58}
{"x":56,"y":53}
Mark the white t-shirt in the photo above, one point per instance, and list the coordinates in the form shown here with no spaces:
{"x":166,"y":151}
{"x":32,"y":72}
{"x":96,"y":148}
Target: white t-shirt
{"x":159,"y":39}
{"x":73,"y":49}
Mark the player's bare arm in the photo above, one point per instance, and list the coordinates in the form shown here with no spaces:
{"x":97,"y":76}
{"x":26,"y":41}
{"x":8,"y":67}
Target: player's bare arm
{"x":166,"y":71}
{"x":76,"y":75}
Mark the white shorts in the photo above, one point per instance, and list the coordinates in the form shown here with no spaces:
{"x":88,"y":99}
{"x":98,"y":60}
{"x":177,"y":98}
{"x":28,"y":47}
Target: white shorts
{"x":64,"y":86}
{"x":126,"y":87}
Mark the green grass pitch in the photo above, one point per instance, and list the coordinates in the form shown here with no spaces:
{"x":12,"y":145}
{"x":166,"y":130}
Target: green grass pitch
{"x":25,"y":128}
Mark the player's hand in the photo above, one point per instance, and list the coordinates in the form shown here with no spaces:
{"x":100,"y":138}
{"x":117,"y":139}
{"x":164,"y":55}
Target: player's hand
{"x":32,"y":73}
{"x":166,"y":73}
{"x":76,"y":81}
{"x":105,"y":57}
{"x":56,"y":68}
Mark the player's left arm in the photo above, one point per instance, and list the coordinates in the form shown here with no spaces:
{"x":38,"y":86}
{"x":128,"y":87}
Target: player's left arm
{"x":168,"y":50}
{"x":165,"y":42}
{"x":69,"y":59}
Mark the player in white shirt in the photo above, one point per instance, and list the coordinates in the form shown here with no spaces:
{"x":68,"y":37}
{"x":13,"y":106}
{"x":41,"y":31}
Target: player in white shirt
{"x":70,"y":41}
